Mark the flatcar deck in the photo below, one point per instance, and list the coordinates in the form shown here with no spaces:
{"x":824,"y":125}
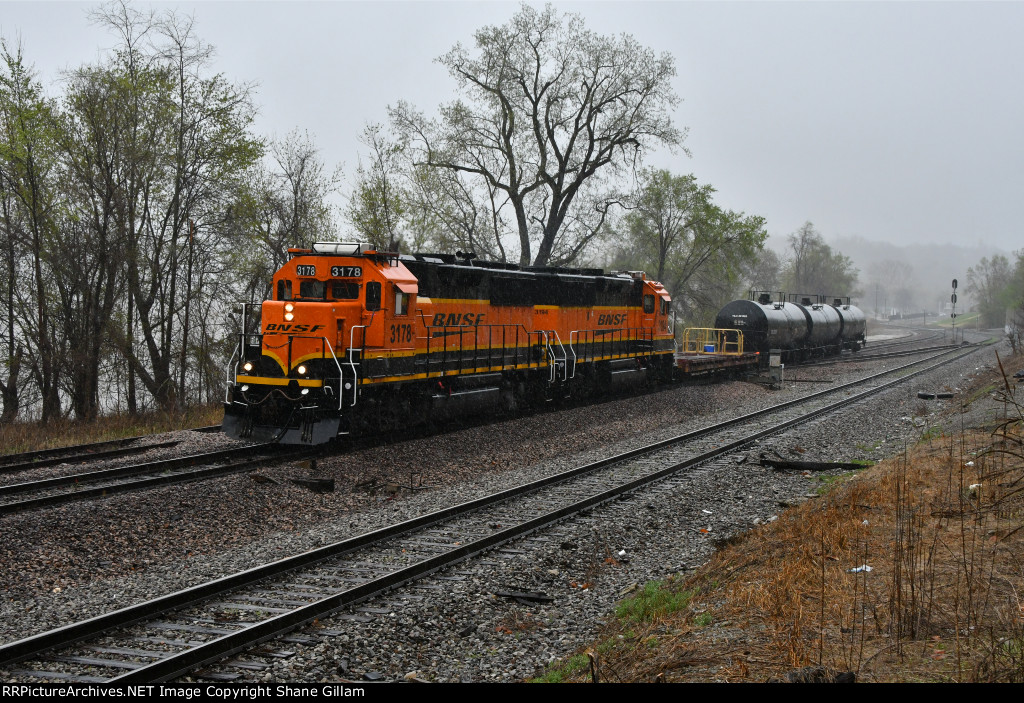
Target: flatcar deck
{"x":700,"y":364}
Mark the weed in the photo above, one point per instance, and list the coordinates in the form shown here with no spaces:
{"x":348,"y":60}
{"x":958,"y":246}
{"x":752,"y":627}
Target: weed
{"x":828,"y":482}
{"x":654,"y":601}
{"x":980,"y":392}
{"x":703,"y":620}
{"x":564,"y":671}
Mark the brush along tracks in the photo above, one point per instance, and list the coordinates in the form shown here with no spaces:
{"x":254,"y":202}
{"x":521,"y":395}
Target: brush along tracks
{"x":78,"y":453}
{"x":173,"y":635}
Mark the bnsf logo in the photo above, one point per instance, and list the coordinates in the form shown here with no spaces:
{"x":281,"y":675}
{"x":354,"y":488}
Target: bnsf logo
{"x":617,"y":319}
{"x":293,"y":328}
{"x":456,"y":319}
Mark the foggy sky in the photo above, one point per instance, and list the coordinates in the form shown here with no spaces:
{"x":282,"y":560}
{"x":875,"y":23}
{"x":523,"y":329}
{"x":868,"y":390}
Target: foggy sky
{"x":897,"y":122}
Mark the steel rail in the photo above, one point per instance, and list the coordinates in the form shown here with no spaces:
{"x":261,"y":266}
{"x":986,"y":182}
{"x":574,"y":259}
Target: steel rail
{"x":30,"y":464}
{"x":36,"y":456}
{"x":162,"y":466}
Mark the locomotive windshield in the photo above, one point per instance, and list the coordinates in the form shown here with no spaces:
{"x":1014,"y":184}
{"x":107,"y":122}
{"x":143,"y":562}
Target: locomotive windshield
{"x":344,"y":290}
{"x":316,"y":290}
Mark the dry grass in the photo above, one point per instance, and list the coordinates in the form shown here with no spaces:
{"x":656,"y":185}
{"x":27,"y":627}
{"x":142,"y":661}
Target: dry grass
{"x":27,"y":436}
{"x":941,"y":529}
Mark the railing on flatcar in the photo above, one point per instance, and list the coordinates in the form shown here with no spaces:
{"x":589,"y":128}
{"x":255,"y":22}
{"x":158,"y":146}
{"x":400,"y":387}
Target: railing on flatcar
{"x":711,"y":340}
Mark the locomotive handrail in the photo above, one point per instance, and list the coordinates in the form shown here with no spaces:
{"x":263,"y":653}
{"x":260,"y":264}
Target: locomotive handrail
{"x":228,"y":370}
{"x":461,"y":330}
{"x":554,"y":358}
{"x":351,"y":360}
{"x":573,"y":350}
{"x":542,"y":336}
{"x":341,"y":380}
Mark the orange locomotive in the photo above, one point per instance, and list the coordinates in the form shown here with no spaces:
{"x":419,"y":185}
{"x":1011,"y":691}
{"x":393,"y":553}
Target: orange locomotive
{"x":356,"y":340}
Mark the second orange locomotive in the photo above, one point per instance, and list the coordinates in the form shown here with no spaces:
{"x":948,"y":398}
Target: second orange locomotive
{"x":357,"y":340}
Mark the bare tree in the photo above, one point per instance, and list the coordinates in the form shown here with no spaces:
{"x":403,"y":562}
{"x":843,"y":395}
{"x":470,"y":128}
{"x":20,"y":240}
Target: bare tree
{"x":276,"y":207}
{"x":549,"y":114}
{"x":453,"y":214}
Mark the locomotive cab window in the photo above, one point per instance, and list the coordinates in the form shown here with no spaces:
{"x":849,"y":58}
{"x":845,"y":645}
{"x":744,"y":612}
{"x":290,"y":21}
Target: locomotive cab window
{"x":664,"y":306}
{"x":373,"y":296}
{"x":284,"y":290}
{"x":401,"y":302}
{"x":648,"y":303}
{"x":344,"y":290}
{"x":312,"y":289}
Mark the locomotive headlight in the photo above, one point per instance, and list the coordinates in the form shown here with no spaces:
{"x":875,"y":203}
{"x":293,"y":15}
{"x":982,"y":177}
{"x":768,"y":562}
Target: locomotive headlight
{"x":301,"y":370}
{"x":288,"y":316}
{"x":305,"y":391}
{"x":247,"y":366}
{"x":288,"y":307}
{"x":245,"y":388}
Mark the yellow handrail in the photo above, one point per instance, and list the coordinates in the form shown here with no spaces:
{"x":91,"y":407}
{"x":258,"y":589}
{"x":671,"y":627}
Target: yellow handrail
{"x":709,"y":340}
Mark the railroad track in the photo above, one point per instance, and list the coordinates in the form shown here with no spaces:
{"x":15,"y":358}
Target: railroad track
{"x":862,"y":357}
{"x":78,"y":453}
{"x":176,"y":634}
{"x":32,"y":495}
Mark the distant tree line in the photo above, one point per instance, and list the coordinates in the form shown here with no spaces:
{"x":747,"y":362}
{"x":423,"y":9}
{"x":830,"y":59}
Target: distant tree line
{"x":138,"y":208}
{"x":997,"y":289}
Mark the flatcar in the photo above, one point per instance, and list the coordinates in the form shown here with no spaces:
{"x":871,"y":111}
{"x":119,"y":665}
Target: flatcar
{"x":800,"y":326}
{"x":356,"y":339}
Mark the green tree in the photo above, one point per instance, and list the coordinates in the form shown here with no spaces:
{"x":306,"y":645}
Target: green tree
{"x":1015,"y":305}
{"x":550,"y":114}
{"x":697,"y":250}
{"x":989,"y":283}
{"x":764,"y":272}
{"x":379,"y":202}
{"x":201,"y":148}
{"x":33,"y":206}
{"x":815,"y":269}
{"x":113,"y":114}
